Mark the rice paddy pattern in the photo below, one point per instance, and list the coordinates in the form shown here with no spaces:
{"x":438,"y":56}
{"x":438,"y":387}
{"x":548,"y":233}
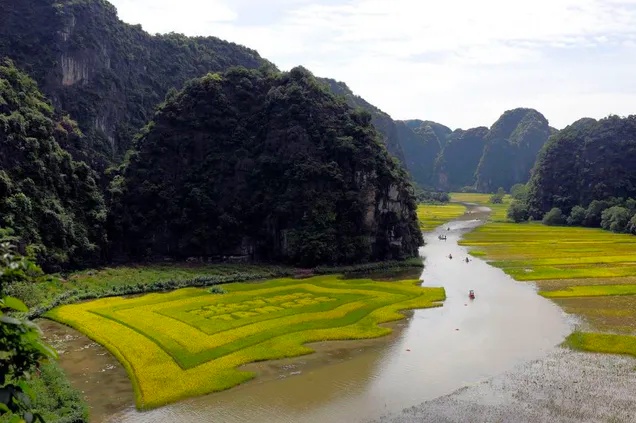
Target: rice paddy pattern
{"x":190,"y":342}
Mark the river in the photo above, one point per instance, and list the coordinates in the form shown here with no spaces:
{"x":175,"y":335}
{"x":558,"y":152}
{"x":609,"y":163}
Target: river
{"x":430,"y":354}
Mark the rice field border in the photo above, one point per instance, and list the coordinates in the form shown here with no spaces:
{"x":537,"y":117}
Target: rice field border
{"x":191,"y":342}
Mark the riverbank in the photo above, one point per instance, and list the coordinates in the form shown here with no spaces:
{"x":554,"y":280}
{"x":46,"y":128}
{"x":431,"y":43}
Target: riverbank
{"x":565,"y":386}
{"x":589,"y":273}
{"x":55,"y":290}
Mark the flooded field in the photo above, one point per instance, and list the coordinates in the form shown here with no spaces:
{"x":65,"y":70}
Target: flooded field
{"x":429,"y":355}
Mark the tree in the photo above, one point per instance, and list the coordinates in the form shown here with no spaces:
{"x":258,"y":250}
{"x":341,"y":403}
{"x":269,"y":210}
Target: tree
{"x":519,"y":192}
{"x":577,"y":216}
{"x":498,"y":197}
{"x":594,"y":212}
{"x":518,"y":211}
{"x":554,"y":217}
{"x":631,"y":227}
{"x":616,"y":219}
{"x":20,"y":345}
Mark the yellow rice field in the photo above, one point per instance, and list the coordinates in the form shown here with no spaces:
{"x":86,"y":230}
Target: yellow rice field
{"x":588,"y":272}
{"x":434,"y":215}
{"x":190,"y":342}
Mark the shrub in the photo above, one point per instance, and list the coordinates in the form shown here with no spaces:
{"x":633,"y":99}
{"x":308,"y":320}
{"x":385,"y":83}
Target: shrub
{"x":519,"y":192}
{"x":615,"y":219}
{"x":577,"y":216}
{"x":593,"y":213}
{"x":554,"y":217}
{"x":518,"y":211}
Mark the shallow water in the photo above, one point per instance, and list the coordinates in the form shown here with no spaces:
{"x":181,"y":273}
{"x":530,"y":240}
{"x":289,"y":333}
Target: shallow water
{"x":430,"y":354}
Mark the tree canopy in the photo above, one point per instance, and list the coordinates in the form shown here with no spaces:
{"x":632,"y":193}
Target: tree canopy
{"x":51,"y":201}
{"x":587,"y":161}
{"x":268,"y":164}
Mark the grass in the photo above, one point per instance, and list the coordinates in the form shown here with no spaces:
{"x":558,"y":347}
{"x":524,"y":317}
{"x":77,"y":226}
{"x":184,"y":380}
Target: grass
{"x":588,"y":272}
{"x":592,"y":291}
{"x":127,"y":280}
{"x":602,"y":342}
{"x":54,"y":398}
{"x":190,"y":342}
{"x":431,"y":216}
{"x":531,"y":252}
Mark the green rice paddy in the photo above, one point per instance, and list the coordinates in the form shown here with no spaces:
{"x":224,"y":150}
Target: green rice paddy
{"x":588,"y":272}
{"x":191,"y":342}
{"x":434,"y":215}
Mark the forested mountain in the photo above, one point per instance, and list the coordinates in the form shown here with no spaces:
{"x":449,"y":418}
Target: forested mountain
{"x":257,"y":162}
{"x":441,"y":132}
{"x":589,"y":160}
{"x":106,"y":74}
{"x":382,"y":121}
{"x":481,"y":158}
{"x":51,"y":202}
{"x":455,"y":167}
{"x":421,"y":146}
{"x":512,"y":145}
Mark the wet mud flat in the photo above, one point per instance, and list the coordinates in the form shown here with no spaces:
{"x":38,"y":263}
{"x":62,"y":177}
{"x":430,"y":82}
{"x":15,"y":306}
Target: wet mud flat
{"x":565,"y":386}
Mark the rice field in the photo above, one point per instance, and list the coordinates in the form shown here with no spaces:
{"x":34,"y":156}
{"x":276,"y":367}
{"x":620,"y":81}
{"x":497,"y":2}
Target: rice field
{"x":191,"y":342}
{"x":588,"y":272}
{"x":431,"y":216}
{"x":499,"y":211}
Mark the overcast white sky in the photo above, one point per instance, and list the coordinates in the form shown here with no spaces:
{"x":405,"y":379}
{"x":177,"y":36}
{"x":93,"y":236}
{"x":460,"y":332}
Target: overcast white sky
{"x":459,"y":62}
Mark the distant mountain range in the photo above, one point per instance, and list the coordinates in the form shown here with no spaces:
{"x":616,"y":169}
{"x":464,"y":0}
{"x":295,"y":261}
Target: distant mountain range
{"x":110,"y":76}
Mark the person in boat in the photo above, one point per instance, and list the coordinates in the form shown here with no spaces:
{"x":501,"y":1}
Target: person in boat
{"x":471,"y":293}
{"x":467,"y":260}
{"x":450,"y":256}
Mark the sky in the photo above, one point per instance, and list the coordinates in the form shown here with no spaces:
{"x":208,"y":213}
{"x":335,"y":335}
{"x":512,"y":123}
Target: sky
{"x":461,"y":63}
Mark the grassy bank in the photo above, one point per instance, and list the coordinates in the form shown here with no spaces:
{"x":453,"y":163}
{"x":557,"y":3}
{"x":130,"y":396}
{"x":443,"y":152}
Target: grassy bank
{"x":588,"y":272}
{"x":54,"y":398}
{"x":190,"y":342}
{"x":58,"y":290}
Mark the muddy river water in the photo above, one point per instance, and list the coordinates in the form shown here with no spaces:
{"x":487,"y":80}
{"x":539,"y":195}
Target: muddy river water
{"x":430,"y":354}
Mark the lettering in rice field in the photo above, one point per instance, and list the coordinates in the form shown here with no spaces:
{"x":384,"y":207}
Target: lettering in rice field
{"x":251,"y":308}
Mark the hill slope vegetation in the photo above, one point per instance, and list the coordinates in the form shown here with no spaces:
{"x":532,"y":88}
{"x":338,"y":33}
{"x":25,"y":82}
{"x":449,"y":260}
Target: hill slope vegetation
{"x":265,"y":164}
{"x":51,"y":201}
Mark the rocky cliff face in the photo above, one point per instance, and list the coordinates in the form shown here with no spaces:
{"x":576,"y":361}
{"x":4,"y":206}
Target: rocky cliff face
{"x":267,"y":164}
{"x":107,"y":74}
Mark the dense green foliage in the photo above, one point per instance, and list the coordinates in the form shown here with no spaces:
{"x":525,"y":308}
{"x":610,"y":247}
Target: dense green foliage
{"x":106,"y":74}
{"x":51,"y":202}
{"x":431,"y":197}
{"x":587,"y":172}
{"x":589,"y":160}
{"x":21,"y":349}
{"x":511,"y":149}
{"x":554,"y":217}
{"x":387,"y":128}
{"x":263,"y":164}
{"x":54,"y":398}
